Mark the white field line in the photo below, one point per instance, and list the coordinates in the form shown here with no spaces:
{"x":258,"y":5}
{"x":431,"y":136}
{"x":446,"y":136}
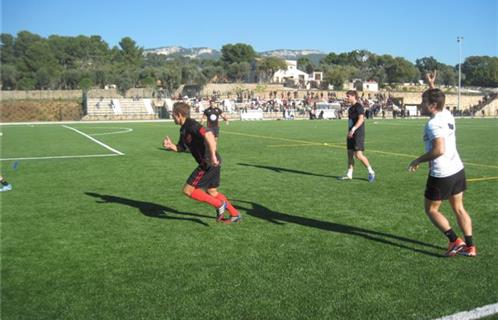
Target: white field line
{"x":63,"y":157}
{"x":123,"y":130}
{"x":96,"y":141}
{"x":476,"y":313}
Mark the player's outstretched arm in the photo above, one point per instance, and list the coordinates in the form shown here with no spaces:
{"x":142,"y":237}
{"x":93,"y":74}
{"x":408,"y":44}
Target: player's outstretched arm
{"x":169,"y":145}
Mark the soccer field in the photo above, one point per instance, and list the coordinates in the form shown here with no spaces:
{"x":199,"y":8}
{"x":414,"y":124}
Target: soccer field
{"x":96,"y":226}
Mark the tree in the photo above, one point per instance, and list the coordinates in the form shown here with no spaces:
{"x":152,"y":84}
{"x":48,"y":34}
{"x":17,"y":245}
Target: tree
{"x":237,"y":53}
{"x":125,"y":81}
{"x":9,"y":76}
{"x":400,"y":70}
{"x":7,"y":49}
{"x":170,"y":77}
{"x":305,"y":64}
{"x":45,"y":78}
{"x":85,"y":84}
{"x":337,"y":75}
{"x":238,"y":71}
{"x":26,"y":83}
{"x":131,"y":54}
{"x":446,"y":75}
{"x":481,"y":71}
{"x":214,"y":73}
{"x":24,"y":41}
{"x":267,"y":66}
{"x":426,"y":65}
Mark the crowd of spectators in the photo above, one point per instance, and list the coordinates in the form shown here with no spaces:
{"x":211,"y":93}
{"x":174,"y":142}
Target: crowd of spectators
{"x":289,"y":103}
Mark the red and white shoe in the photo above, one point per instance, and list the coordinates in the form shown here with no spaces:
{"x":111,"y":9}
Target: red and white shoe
{"x":233,"y":219}
{"x":469,"y":251}
{"x":455,"y":247}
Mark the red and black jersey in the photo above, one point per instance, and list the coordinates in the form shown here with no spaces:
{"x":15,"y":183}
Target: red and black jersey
{"x":213,"y":116}
{"x":192,"y":139}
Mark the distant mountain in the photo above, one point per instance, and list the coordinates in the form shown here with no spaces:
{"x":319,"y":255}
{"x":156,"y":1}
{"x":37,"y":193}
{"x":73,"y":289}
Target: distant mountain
{"x":194,"y":53}
{"x":290,"y":54}
{"x":208,"y":53}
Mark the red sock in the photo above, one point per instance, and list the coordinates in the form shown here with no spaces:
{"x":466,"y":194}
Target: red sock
{"x":231,"y":209}
{"x":202,"y":196}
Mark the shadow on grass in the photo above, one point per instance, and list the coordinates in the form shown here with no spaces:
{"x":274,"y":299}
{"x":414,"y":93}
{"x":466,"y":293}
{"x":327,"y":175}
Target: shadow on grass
{"x":150,"y":209}
{"x":282,"y":170}
{"x":262,"y":212}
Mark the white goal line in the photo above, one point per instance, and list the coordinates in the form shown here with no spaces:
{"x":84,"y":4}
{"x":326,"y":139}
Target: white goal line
{"x":476,"y":313}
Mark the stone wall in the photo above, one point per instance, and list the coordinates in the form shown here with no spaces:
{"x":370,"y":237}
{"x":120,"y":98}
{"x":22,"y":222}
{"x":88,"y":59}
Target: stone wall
{"x":491,"y":109}
{"x":413,"y":98}
{"x":71,"y":94}
{"x":114,"y":94}
{"x":40,"y":110}
{"x":40,"y":94}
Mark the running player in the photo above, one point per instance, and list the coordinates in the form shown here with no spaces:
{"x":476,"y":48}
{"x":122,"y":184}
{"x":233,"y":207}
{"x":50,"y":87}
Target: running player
{"x":446,"y":180}
{"x":203,"y":182}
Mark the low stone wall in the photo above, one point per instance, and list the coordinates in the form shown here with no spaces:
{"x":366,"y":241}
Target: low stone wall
{"x":413,"y":98}
{"x":40,"y":110}
{"x":491,"y":109}
{"x":114,"y":94}
{"x":232,"y":88}
{"x":40,"y":94}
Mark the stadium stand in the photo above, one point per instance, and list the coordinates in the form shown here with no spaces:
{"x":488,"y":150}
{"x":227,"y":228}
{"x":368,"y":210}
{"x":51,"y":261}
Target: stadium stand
{"x":119,"y":109}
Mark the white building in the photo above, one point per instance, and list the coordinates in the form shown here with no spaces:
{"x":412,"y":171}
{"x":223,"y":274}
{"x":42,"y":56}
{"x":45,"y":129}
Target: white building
{"x":370,"y":86}
{"x":292,"y":75}
{"x":366,"y":86}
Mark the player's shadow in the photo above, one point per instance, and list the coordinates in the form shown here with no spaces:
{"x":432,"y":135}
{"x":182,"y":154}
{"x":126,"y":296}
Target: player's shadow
{"x":279,"y":218}
{"x":150,"y":209}
{"x":282,"y":170}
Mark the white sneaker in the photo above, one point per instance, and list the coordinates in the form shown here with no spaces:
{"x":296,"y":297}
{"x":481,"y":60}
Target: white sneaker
{"x":6,"y":188}
{"x":346,"y":177}
{"x":371,"y":177}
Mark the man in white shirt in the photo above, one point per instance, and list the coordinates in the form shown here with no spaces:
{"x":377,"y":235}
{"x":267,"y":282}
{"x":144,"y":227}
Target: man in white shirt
{"x":446,"y":179}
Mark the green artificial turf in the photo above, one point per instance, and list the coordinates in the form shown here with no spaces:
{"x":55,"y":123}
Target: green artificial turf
{"x":114,"y":238}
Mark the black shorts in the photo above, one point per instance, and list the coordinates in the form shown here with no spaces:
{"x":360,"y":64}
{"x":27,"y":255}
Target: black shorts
{"x":215,"y":131}
{"x":442,"y":188}
{"x":357,"y":143}
{"x":205,"y":178}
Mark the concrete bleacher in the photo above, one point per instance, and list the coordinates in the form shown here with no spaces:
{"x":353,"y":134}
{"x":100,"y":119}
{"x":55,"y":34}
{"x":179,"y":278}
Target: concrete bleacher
{"x":118,"y":109}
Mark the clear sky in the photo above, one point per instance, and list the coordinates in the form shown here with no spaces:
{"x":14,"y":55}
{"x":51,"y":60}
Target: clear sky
{"x":411,"y":29}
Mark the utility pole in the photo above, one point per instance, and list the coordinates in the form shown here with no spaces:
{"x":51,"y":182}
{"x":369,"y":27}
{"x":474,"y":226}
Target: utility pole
{"x":459,"y":40}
